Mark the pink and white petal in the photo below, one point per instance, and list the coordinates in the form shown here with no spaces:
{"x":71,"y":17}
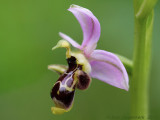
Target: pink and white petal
{"x":90,"y":26}
{"x":70,"y":40}
{"x":108,"y":68}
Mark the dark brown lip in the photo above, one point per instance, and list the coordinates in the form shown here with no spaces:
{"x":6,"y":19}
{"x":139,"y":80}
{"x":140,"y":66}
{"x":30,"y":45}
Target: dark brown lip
{"x":61,"y":95}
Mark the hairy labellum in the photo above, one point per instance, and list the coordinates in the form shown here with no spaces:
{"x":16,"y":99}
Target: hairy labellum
{"x":63,"y":91}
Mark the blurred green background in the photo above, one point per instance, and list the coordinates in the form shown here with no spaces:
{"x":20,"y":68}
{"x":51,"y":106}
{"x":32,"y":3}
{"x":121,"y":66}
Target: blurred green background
{"x":28,"y":31}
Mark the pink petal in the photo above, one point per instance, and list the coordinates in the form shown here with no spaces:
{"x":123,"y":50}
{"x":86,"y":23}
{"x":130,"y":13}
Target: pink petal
{"x":74,"y":43}
{"x":90,"y":27}
{"x":108,"y":68}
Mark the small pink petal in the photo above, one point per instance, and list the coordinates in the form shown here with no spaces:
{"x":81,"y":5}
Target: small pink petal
{"x":108,"y":68}
{"x":74,"y":43}
{"x":90,"y":27}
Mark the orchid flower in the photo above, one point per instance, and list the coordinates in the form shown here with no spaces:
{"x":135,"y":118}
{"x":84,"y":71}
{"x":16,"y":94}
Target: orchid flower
{"x":85,"y":63}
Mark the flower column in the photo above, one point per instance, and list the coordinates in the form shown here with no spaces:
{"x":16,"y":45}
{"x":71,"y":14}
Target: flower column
{"x":143,"y":10}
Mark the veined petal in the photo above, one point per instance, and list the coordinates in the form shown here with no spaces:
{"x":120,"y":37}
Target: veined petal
{"x":108,"y":68}
{"x":74,"y":43}
{"x":90,"y":27}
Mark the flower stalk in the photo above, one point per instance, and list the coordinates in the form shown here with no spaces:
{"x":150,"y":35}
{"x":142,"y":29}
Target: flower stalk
{"x":142,"y":55}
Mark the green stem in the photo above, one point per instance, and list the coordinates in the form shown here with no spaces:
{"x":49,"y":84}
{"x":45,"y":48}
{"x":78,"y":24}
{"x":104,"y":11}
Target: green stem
{"x":141,"y":63}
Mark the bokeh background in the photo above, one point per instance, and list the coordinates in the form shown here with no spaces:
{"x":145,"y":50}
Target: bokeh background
{"x":28,"y":31}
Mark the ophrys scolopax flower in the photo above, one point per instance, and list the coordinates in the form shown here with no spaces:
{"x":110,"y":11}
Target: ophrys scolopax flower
{"x":84,"y":63}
